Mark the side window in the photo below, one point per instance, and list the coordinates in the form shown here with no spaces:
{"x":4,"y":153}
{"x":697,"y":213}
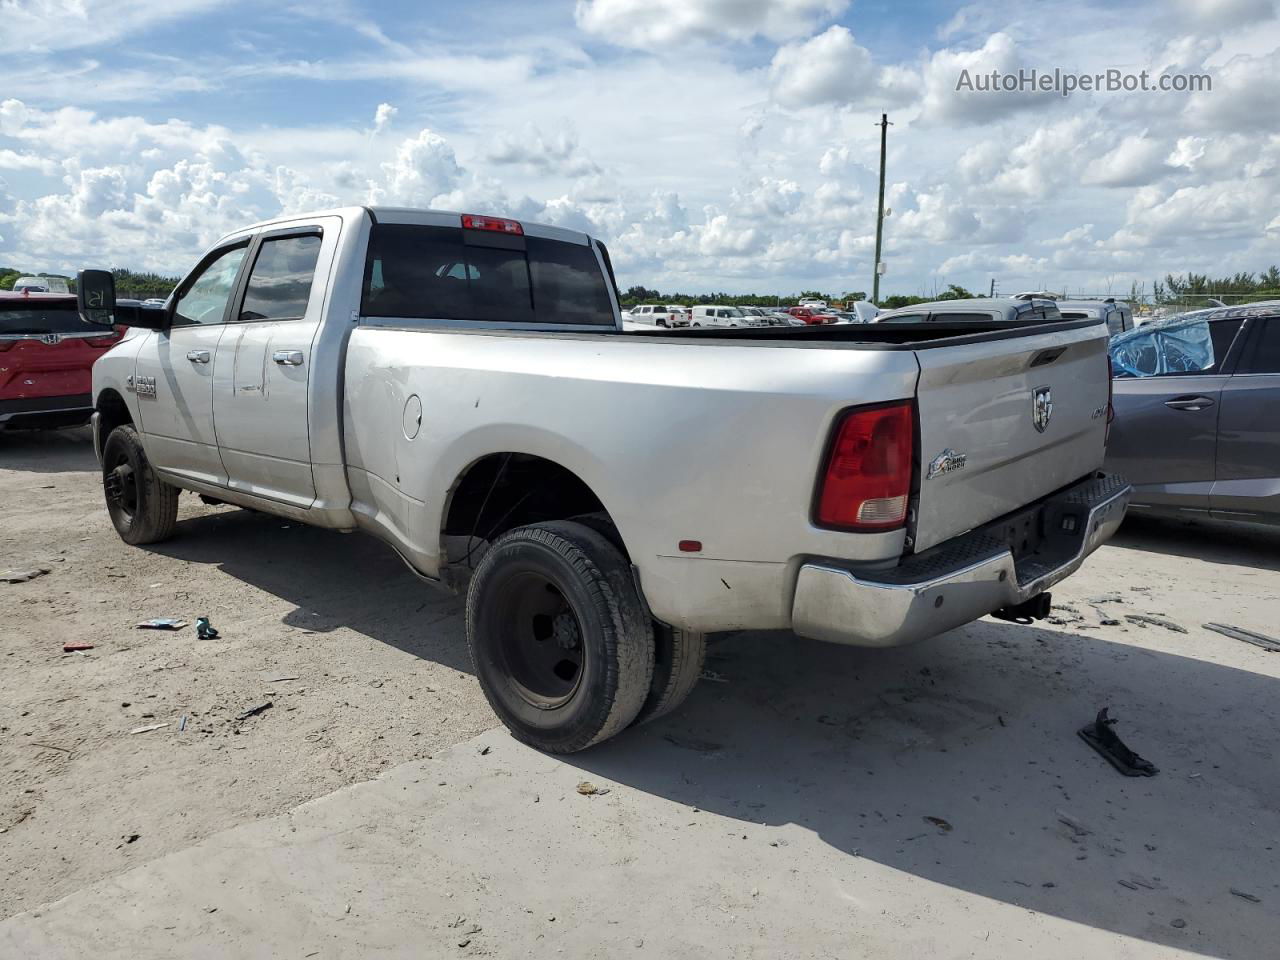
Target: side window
{"x":1264,"y":357}
{"x":907,"y":318}
{"x":1115,"y":322}
{"x":280,"y":283}
{"x":1180,"y":351}
{"x":206,"y":299}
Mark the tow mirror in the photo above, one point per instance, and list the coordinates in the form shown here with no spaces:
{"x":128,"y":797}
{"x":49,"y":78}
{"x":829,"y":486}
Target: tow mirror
{"x":96,"y":297}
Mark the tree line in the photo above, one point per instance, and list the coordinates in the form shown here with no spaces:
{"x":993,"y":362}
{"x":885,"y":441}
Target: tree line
{"x":129,"y":283}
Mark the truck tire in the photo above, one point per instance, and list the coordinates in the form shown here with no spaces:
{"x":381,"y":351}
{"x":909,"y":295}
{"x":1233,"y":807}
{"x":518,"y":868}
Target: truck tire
{"x":143,"y":508}
{"x":679,"y":656}
{"x":558,"y":637}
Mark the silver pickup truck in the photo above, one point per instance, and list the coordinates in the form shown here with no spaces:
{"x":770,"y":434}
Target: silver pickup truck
{"x":461,"y":387}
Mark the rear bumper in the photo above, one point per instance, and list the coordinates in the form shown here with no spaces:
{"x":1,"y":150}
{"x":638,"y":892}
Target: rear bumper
{"x":960,"y":580}
{"x":39,"y":412}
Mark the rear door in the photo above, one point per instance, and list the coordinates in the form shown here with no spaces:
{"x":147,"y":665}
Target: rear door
{"x":173,"y":377}
{"x":1248,"y":471}
{"x":1027,"y":414}
{"x":1166,"y":397}
{"x":264,"y":363}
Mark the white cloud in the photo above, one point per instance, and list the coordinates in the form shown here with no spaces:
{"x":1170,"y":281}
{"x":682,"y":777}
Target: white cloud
{"x":383,"y":116}
{"x":558,"y":155}
{"x":1130,"y":162}
{"x":1225,"y":14}
{"x":41,"y":25}
{"x":424,"y":168}
{"x":832,"y":68}
{"x":654,"y":24}
{"x":945,"y":104}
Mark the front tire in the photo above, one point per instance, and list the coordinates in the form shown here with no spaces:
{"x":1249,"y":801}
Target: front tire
{"x":558,"y":636}
{"x":143,"y":508}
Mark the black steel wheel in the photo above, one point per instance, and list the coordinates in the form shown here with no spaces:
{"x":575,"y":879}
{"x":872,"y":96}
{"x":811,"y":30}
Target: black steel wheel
{"x":559,"y":639}
{"x":143,"y":508}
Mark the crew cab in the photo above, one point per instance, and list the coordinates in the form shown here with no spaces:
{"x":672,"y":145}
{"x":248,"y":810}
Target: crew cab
{"x":460,"y":387}
{"x":46,"y":355}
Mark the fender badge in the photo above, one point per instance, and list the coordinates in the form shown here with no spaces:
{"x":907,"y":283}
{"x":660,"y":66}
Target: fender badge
{"x":948,"y":461}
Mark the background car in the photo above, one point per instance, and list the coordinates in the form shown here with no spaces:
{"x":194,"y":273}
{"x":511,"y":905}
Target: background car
{"x":719,"y":315}
{"x":1196,"y":429}
{"x":41,"y":285}
{"x":812,"y":315}
{"x":1117,"y":315}
{"x":661,"y":315}
{"x":977,"y":310}
{"x":46,"y":356}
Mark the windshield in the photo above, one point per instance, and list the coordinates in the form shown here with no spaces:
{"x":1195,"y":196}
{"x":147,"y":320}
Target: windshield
{"x":26,"y":317}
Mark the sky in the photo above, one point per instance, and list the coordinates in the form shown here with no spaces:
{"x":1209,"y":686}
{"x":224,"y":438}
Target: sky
{"x":725,"y":145}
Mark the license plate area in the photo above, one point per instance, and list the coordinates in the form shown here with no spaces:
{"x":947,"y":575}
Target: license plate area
{"x":1022,"y":532}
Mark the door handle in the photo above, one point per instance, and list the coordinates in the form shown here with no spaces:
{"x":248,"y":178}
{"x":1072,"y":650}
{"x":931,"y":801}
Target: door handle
{"x":1188,"y":403}
{"x":288,"y":358}
{"x":198,"y":356}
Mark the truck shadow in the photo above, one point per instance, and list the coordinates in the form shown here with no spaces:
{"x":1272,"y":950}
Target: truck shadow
{"x":332,"y":579}
{"x":859,"y":747}
{"x":1215,"y":541}
{"x":47,"y":451}
{"x":978,"y":729}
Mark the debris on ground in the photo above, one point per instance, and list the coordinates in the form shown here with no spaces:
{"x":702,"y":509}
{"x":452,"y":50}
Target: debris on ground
{"x":1248,"y":636}
{"x":713,"y":676}
{"x":1245,"y":896}
{"x":76,"y":647}
{"x":280,"y":679}
{"x":149,"y":728}
{"x":484,"y":751}
{"x":941,"y":824}
{"x":589,"y":789}
{"x":183,"y":724}
{"x":254,"y":711}
{"x":1107,"y":598}
{"x":1103,"y":739}
{"x":1076,"y":827}
{"x":1143,"y":619}
{"x":162,"y":623}
{"x":205,"y":629}
{"x":22,"y":576}
{"x":693,"y":743}
{"x":1178,"y":923}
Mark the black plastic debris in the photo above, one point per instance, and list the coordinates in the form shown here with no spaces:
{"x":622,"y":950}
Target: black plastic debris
{"x":1248,"y":636}
{"x":205,"y":629}
{"x":1102,"y":738}
{"x":254,"y":711}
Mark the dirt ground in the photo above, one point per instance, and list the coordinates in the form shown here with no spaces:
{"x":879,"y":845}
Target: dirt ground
{"x":848,"y":749}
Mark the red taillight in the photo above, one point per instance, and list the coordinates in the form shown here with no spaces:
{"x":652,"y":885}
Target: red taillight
{"x":496,"y":224}
{"x":867,"y":480}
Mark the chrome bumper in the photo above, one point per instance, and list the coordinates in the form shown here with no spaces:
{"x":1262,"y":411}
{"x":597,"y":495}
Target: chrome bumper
{"x":958,"y":581}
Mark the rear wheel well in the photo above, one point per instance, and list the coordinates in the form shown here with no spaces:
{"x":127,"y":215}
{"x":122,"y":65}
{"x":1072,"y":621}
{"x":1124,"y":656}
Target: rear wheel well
{"x":112,"y":412}
{"x":502,"y":491}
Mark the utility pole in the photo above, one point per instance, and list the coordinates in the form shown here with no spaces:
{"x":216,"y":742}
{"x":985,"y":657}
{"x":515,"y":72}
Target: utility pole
{"x":884,"y":126}
{"x":993,"y":288}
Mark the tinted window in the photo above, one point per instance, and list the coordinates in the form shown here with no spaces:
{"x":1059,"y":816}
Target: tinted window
{"x":280,"y":283}
{"x":437,"y":272}
{"x":1264,"y":357}
{"x":18,"y":316}
{"x":907,"y":318}
{"x":958,"y":317}
{"x":1183,"y":349}
{"x":206,"y":299}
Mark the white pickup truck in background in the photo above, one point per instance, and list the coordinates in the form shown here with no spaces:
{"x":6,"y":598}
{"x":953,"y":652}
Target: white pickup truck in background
{"x":460,"y":387}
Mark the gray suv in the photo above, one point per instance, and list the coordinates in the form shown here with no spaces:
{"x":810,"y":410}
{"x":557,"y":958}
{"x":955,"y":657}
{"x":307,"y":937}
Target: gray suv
{"x":1196,"y":429}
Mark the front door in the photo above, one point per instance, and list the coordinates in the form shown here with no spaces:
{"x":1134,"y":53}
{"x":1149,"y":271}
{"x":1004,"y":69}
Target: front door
{"x":174,"y":374}
{"x":264,"y":365}
{"x":1165,"y":435}
{"x":1248,"y":476}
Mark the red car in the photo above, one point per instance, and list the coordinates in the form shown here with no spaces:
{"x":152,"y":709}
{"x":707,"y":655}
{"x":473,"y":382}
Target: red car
{"x":811,"y":316}
{"x":46,"y":354}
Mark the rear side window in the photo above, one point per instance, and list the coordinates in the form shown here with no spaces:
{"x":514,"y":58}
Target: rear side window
{"x":450,"y":274}
{"x":958,"y":317}
{"x":1265,"y":355}
{"x":280,"y":284}
{"x":32,"y":317}
{"x":1183,"y":350}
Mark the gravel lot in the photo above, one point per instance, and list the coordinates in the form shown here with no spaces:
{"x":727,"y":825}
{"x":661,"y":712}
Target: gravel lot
{"x":840,"y":753}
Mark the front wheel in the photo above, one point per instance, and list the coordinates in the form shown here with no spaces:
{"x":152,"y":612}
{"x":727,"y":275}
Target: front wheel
{"x":143,"y":508}
{"x":561,"y":645}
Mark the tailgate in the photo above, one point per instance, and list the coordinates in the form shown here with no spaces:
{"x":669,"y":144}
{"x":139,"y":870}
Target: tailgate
{"x":1006,"y":422}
